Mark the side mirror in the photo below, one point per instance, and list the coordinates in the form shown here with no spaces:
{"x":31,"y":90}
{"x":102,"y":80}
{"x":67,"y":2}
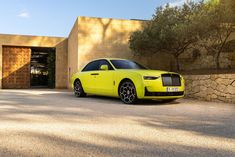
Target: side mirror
{"x":104,"y":67}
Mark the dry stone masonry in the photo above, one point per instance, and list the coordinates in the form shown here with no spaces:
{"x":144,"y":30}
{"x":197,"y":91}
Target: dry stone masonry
{"x":213,"y":87}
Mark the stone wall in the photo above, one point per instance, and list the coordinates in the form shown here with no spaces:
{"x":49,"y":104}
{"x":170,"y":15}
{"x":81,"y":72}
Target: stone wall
{"x":213,"y":87}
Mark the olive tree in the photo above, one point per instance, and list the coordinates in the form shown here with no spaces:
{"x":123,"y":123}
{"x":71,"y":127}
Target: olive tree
{"x":172,"y":30}
{"x":219,"y":23}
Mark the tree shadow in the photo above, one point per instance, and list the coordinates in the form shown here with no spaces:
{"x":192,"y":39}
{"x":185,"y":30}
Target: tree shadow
{"x":49,"y":144}
{"x":61,"y":106}
{"x":224,"y":128}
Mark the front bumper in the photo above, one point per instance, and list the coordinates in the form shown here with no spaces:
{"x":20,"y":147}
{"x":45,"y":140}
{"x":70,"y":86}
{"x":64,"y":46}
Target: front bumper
{"x":154,"y":89}
{"x":147,"y":93}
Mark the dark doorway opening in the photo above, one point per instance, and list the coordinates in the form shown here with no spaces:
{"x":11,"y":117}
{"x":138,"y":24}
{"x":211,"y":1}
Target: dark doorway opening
{"x":42,"y":67}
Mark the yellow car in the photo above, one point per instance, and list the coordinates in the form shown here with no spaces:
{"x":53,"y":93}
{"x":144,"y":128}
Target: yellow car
{"x":128,"y":80}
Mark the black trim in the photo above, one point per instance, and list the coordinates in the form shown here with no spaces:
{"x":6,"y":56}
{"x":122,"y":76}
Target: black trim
{"x":97,"y":65}
{"x":95,"y":74}
{"x":147,"y":93}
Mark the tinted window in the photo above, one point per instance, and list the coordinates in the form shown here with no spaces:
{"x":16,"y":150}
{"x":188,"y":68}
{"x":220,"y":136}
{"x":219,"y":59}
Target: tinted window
{"x":126,"y":64}
{"x":105,"y":62}
{"x":92,"y":66}
{"x":95,"y":65}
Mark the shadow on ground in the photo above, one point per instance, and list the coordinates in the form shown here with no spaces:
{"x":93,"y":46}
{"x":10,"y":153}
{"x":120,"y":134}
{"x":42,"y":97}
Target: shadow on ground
{"x":106,"y":127}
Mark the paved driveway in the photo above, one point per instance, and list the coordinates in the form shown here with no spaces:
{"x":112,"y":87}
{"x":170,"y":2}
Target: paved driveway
{"x":55,"y":123}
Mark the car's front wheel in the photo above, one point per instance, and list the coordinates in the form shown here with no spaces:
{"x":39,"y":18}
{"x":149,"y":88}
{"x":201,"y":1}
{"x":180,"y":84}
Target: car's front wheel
{"x":78,"y":90}
{"x":127,"y":92}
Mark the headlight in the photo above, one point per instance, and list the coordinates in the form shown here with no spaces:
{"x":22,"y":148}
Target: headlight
{"x":151,"y":77}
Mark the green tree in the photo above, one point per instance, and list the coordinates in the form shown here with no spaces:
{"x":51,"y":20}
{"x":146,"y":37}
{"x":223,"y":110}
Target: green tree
{"x":219,"y":20}
{"x":172,"y":30}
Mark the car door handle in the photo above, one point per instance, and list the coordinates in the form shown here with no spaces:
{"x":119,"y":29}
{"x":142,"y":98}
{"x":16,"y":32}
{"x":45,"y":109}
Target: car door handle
{"x":94,"y":73}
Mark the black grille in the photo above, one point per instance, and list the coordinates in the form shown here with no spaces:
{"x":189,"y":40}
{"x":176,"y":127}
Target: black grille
{"x":147,"y":93}
{"x":171,"y":80}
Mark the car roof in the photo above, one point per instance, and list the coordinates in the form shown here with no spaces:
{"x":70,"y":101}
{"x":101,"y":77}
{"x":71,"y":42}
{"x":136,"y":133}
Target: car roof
{"x":109,"y":59}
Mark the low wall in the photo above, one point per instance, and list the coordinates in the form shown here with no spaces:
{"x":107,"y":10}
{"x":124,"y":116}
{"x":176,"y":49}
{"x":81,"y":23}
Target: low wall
{"x":212,"y":87}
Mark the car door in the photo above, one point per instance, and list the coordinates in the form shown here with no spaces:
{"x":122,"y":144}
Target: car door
{"x":105,"y":80}
{"x":88,"y":76}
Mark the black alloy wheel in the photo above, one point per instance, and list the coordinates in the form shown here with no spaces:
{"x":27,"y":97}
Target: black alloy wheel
{"x":127,"y":92}
{"x":78,"y":90}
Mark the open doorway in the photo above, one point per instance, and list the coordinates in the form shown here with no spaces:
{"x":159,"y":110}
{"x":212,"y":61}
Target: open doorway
{"x":42,"y":68}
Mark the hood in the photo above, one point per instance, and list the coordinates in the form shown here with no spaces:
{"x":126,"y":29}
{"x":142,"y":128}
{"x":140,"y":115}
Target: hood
{"x":148,"y":72}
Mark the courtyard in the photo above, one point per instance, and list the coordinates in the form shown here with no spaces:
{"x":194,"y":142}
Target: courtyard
{"x":42,"y":122}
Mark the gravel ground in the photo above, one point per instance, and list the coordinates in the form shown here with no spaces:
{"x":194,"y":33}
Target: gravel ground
{"x":55,"y":123}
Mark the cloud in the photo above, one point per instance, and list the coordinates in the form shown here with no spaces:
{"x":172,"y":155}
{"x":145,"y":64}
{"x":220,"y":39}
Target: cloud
{"x":24,"y":14}
{"x":178,"y":3}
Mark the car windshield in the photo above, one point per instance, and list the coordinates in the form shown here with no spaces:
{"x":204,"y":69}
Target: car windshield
{"x":126,"y":64}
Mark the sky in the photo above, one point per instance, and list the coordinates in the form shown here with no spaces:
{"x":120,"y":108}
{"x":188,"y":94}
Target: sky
{"x":56,"y":17}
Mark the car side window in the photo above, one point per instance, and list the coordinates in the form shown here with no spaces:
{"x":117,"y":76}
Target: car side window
{"x":92,"y":66}
{"x":105,"y":62}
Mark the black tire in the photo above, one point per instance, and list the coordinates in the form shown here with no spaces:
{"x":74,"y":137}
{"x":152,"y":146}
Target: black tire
{"x":127,"y":92}
{"x":78,"y":90}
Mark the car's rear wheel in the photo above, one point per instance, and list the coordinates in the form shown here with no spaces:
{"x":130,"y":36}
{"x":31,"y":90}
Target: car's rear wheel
{"x":127,"y":92}
{"x":78,"y":90}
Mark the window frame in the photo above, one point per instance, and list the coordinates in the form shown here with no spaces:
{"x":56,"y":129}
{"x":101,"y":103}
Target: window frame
{"x":84,"y":69}
{"x":141,"y":66}
{"x":100,"y":60}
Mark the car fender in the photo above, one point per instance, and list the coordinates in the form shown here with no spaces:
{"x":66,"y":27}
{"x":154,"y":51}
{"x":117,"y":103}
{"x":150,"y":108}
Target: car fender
{"x":73,"y":78}
{"x":134,"y":77}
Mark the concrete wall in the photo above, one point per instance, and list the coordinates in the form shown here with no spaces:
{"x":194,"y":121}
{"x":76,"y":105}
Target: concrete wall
{"x":213,"y":87}
{"x":61,"y":75}
{"x":40,"y":41}
{"x":72,"y":52}
{"x":103,"y":37}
